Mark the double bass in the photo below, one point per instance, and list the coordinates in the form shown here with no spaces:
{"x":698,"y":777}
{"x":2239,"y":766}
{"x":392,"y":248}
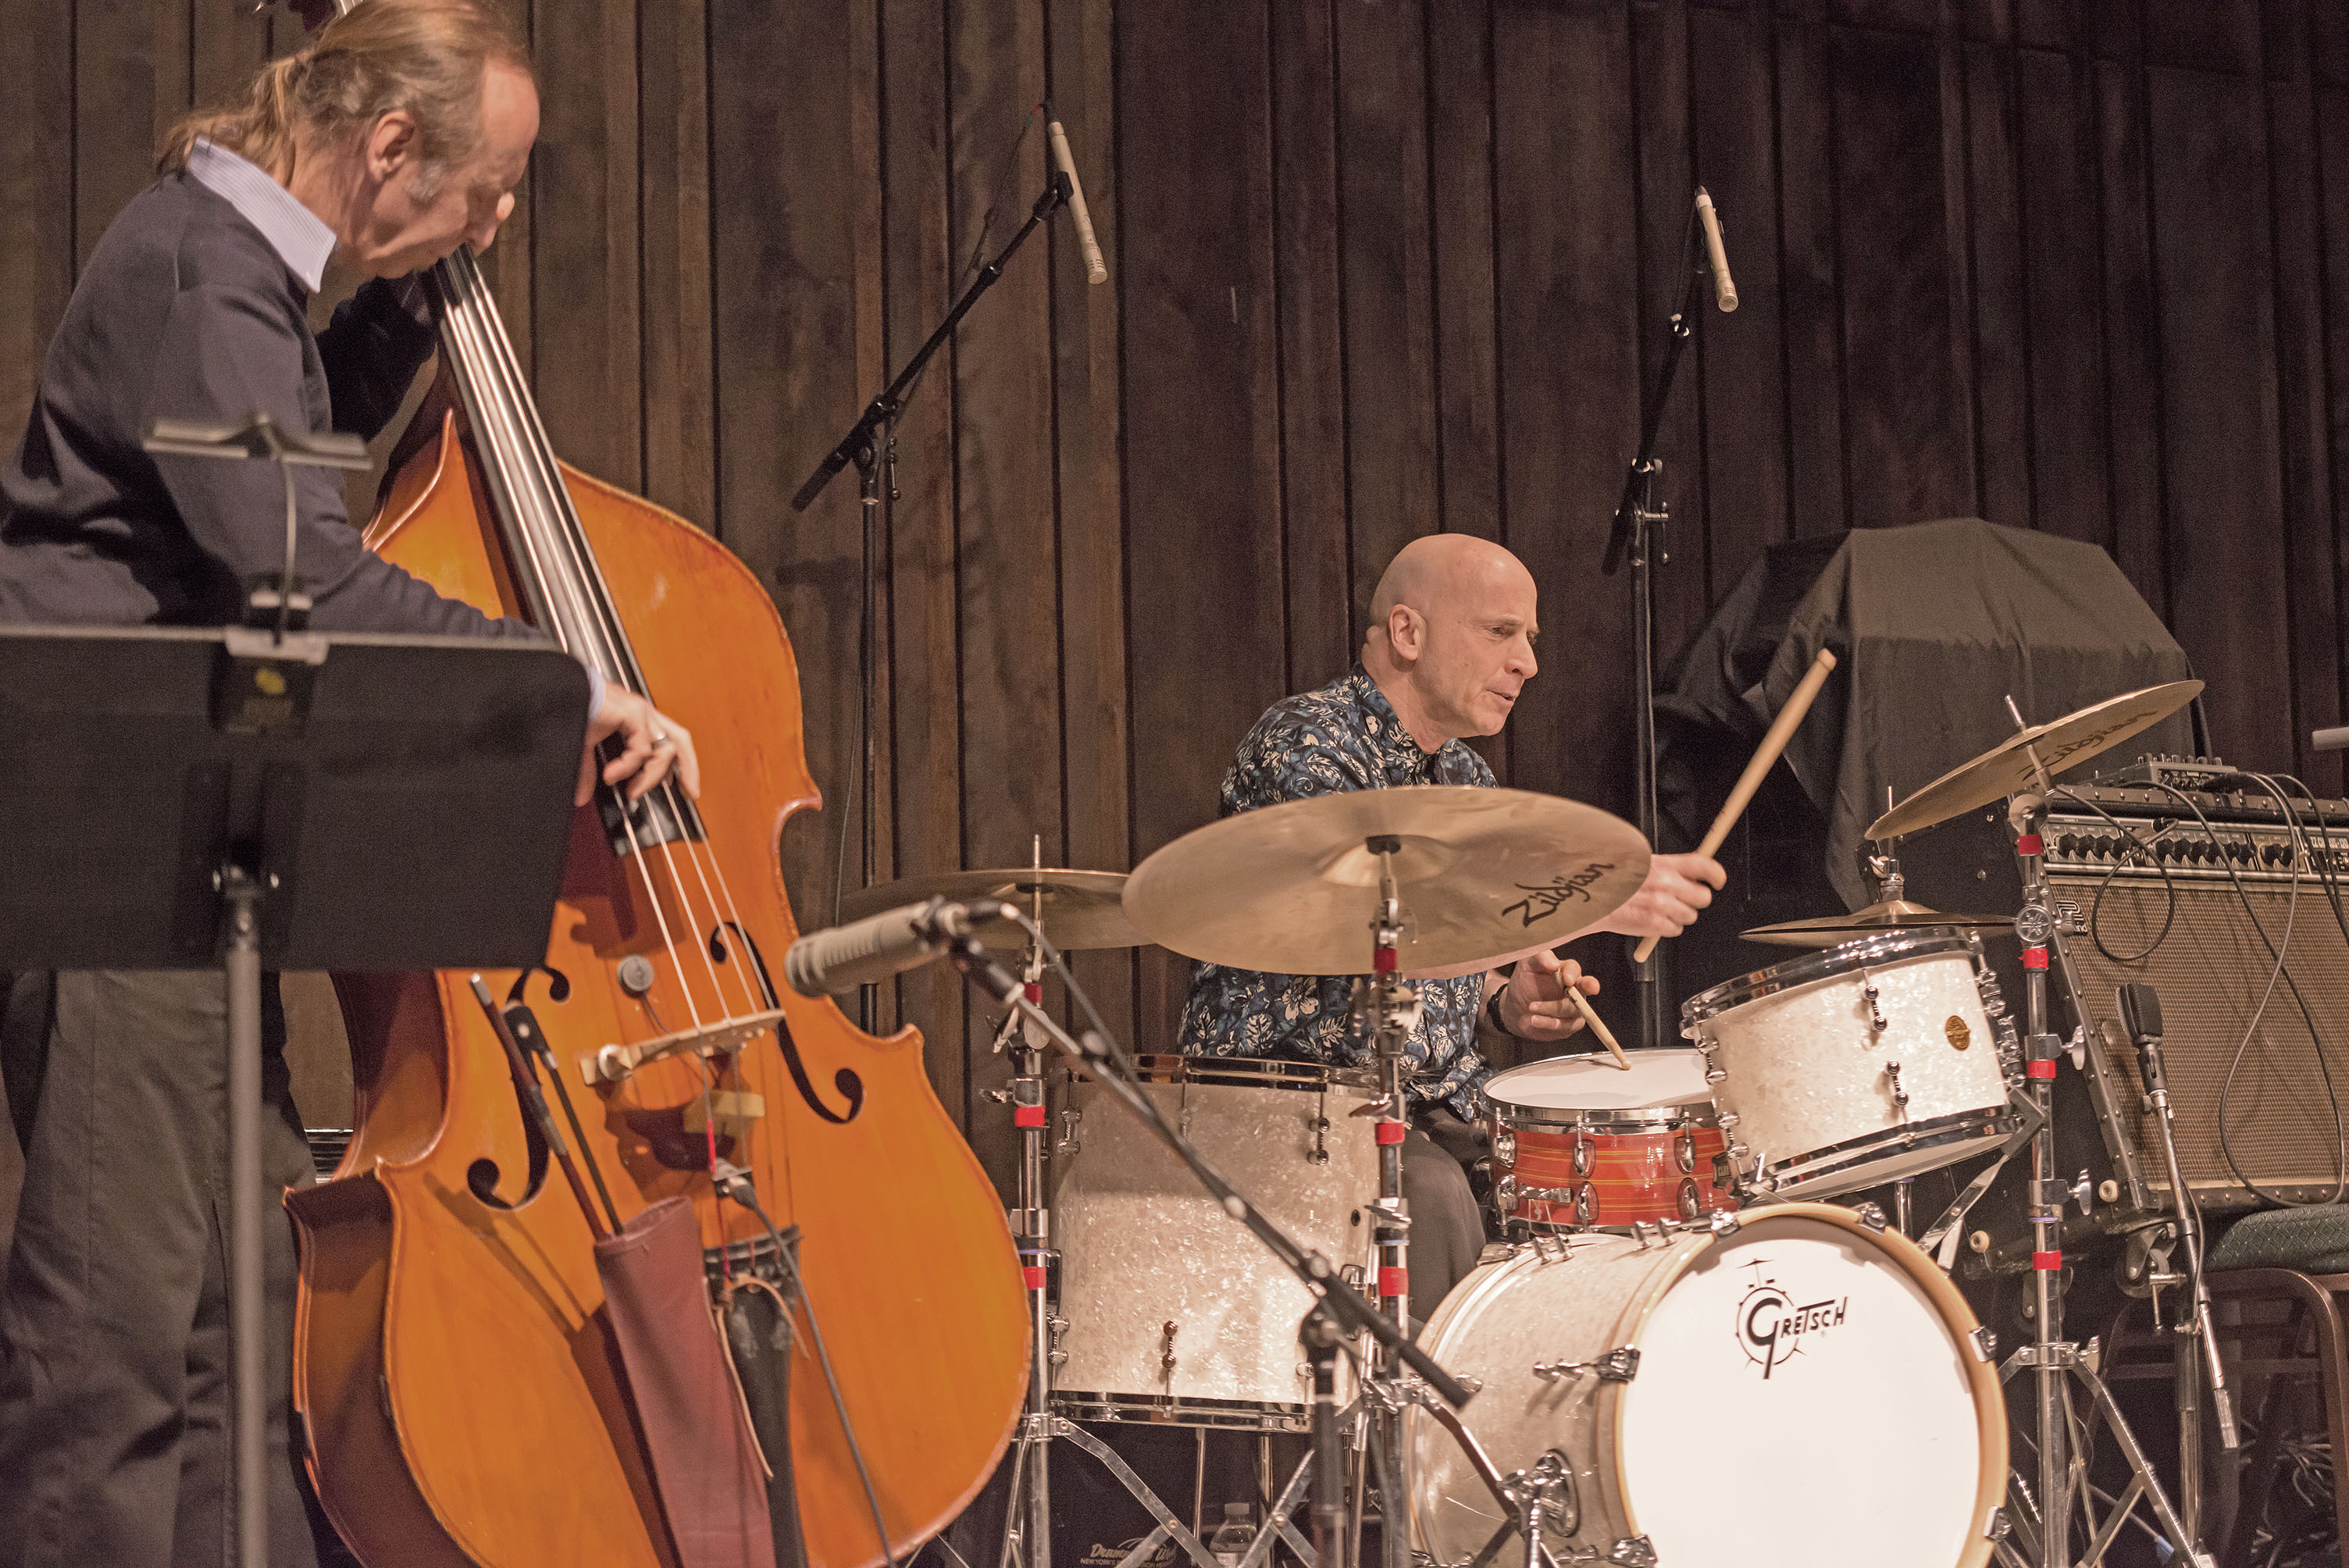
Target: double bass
{"x":456,"y":1373}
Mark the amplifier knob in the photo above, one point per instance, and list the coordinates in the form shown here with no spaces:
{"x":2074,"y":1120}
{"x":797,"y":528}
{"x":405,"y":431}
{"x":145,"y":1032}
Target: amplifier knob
{"x":2067,"y":845}
{"x":2274,"y":854}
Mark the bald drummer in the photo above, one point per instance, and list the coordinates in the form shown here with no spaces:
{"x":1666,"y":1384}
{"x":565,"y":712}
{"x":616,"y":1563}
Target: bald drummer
{"x":1449,"y":649}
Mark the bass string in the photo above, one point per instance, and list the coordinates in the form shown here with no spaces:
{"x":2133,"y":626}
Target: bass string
{"x":547,"y":524}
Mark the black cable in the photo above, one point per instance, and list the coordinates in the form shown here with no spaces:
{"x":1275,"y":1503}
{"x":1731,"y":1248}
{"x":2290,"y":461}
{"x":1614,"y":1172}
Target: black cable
{"x":735,"y":1183}
{"x":2096,"y":900}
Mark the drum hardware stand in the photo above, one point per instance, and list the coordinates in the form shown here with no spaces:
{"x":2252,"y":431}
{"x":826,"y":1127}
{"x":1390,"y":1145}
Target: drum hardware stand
{"x":1393,"y":1007}
{"x":2050,"y":1358}
{"x":1350,"y":1315}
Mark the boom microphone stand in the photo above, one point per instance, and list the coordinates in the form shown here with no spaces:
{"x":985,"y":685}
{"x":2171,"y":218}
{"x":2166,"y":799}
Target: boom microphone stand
{"x":1638,"y":536}
{"x":870,"y":442}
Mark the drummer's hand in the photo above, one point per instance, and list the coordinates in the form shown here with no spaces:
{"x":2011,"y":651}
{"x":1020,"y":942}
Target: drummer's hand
{"x":656,"y":746}
{"x":1668,"y":901}
{"x":1534,"y":1005}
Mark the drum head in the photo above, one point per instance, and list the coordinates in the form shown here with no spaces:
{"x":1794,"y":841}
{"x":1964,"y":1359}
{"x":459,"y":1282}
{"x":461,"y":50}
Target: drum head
{"x":1802,"y":1402}
{"x":1658,"y":1077}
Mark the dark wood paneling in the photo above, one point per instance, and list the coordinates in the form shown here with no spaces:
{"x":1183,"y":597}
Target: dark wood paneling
{"x":1317,"y":564}
{"x":1383,"y":261}
{"x":1204,"y":636}
{"x":2219,"y":437}
{"x":1007,"y":552}
{"x":1742,"y":356}
{"x":1378,"y":267}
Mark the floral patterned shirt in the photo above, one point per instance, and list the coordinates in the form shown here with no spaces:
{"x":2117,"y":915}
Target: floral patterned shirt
{"x":1343,"y":737}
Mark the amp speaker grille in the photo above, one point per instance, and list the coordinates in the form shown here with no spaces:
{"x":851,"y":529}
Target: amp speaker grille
{"x":2210,"y":970}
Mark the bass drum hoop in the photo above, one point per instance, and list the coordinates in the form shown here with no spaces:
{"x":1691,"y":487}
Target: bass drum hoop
{"x":1981,"y":1370}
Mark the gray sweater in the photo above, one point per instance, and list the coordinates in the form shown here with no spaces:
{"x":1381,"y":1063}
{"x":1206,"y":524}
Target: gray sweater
{"x":186,"y":311}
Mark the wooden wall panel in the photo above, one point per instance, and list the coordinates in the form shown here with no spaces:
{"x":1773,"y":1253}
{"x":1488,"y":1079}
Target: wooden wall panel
{"x":1376,"y":267}
{"x":2220,"y":442}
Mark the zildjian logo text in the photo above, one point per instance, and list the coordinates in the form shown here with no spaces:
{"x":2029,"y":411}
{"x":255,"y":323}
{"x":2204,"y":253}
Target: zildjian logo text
{"x":1543,"y":901}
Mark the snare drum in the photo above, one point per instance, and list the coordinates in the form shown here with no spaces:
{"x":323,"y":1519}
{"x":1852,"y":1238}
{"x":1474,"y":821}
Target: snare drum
{"x":1855,"y":1065}
{"x":1175,"y":1313}
{"x":1579,"y":1143}
{"x":1794,"y":1390}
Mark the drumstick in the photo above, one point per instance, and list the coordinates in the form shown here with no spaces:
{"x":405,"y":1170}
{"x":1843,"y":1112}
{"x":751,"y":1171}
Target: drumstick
{"x":1782,"y":730}
{"x":1598,"y":1026}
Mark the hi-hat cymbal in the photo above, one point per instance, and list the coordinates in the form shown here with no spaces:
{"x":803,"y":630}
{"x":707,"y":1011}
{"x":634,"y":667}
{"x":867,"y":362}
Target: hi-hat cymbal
{"x":2006,"y":768}
{"x":1898,"y":914}
{"x":1081,"y":909}
{"x":1484,"y":875}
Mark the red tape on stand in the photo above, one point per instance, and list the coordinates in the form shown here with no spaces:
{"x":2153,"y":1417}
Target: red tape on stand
{"x":1390,"y":1132}
{"x":1394,"y":1283}
{"x":2034,"y":958}
{"x":2045,"y":1070}
{"x":2030,"y":844}
{"x":1027,"y":1116}
{"x":2047,"y":1262}
{"x":1035,"y":993}
{"x":1032,"y":1277}
{"x":1385,"y":961}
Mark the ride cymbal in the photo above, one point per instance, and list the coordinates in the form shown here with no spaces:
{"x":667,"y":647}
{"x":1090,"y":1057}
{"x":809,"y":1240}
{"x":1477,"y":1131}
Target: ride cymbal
{"x":1081,"y":910}
{"x":1485,"y":876}
{"x":2006,"y":768}
{"x":1898,"y":914}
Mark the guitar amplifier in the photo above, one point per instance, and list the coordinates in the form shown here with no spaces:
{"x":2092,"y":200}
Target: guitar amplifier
{"x":2181,"y":902}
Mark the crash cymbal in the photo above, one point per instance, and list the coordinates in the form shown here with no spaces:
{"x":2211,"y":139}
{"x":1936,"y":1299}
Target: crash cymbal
{"x":1484,"y":875}
{"x":1898,"y":915}
{"x":2006,"y":768}
{"x":1081,"y":909}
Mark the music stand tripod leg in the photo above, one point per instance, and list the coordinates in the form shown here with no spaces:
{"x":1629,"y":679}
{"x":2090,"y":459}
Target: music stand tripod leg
{"x":240,"y":896}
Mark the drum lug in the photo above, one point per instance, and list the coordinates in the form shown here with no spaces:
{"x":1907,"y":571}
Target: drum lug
{"x":1900,"y":1095}
{"x":1984,"y":1341}
{"x":1713,"y":1074}
{"x":1871,"y":1218}
{"x":1633,"y":1552}
{"x":1166,"y":1361}
{"x":1070,"y":1116}
{"x":1584,"y":1154}
{"x":1504,"y":1145}
{"x":1995,"y":1527}
{"x":1585,"y":1207}
{"x":1497,"y":1252}
{"x":1685,"y":1146}
{"x":1875,"y":1003}
{"x":1620,"y":1365}
{"x":1692,"y":1200}
{"x":1505,"y":1194}
{"x":1549,"y":1248}
{"x":1723,"y":1223}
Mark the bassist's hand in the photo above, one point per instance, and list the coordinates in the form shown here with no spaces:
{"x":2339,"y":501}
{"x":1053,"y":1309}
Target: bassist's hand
{"x":655,"y":746}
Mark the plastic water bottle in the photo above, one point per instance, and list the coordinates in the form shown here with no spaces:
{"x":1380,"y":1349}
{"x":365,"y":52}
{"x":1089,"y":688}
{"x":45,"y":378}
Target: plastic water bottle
{"x":1234,"y":1536}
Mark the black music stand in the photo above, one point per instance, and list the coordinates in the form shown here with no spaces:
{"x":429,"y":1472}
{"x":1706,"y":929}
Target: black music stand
{"x":242,"y":800}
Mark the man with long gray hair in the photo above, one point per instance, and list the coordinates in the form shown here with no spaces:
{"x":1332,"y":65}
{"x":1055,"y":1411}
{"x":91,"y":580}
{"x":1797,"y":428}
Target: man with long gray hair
{"x":397,"y":134}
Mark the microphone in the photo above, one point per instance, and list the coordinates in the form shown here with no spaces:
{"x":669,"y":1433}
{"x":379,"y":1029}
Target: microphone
{"x":865,"y":952}
{"x":1096,"y":270}
{"x":2140,"y":1008}
{"x":1724,"y":293}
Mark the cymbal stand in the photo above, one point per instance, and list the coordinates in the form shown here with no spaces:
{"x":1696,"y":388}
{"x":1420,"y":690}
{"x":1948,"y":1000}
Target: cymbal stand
{"x":2049,"y":1357}
{"x":1028,"y":1517}
{"x":1393,"y":1014}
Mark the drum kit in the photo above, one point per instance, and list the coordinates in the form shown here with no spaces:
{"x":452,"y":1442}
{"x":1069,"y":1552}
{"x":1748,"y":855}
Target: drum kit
{"x":1680,"y":1352}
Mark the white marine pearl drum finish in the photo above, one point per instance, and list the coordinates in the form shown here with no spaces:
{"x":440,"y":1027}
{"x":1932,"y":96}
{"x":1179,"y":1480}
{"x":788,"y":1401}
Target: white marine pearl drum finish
{"x":1855,"y":1065}
{"x":1175,"y":1313}
{"x":1805,"y":1393}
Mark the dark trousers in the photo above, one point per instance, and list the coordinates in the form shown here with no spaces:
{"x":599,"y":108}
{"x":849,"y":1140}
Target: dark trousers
{"x":114,"y":1310}
{"x":1447,"y":1228}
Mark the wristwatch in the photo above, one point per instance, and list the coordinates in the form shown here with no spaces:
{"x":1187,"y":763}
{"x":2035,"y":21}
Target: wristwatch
{"x":1493,"y":1016}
